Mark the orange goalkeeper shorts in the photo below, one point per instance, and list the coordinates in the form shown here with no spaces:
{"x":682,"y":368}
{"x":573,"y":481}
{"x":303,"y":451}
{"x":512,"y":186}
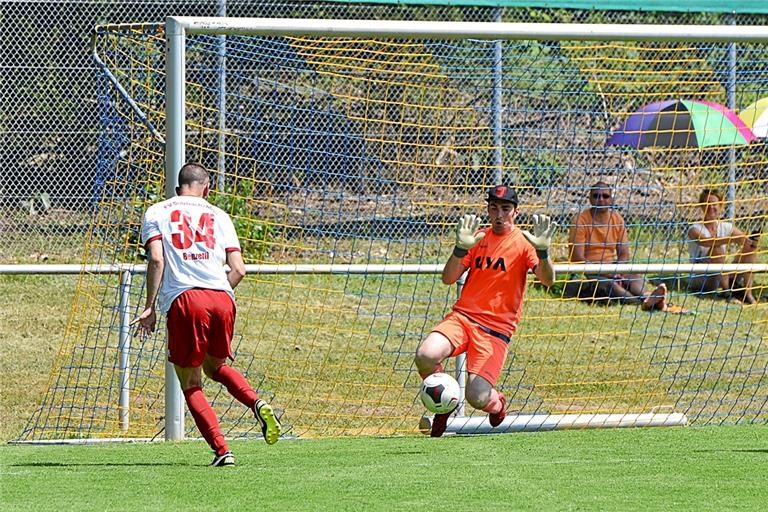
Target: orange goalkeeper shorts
{"x":486,"y":352}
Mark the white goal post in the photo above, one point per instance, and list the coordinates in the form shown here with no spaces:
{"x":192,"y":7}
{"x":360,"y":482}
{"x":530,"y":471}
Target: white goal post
{"x":177,"y":28}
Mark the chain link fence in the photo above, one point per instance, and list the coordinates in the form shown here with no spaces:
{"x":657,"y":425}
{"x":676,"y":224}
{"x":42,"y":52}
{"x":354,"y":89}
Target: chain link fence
{"x":48,"y":89}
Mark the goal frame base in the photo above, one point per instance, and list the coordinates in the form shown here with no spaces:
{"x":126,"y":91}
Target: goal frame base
{"x":466,"y":425}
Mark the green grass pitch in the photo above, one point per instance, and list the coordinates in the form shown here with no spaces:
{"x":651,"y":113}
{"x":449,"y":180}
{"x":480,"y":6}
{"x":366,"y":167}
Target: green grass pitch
{"x":655,"y":469}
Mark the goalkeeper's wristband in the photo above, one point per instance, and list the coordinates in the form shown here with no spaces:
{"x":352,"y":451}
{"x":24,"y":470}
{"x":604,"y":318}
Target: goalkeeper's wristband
{"x":459,"y":252}
{"x":543,"y":254}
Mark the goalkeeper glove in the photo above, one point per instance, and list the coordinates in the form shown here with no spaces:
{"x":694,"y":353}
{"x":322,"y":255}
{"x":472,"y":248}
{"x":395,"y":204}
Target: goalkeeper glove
{"x":466,"y":234}
{"x":543,"y":229}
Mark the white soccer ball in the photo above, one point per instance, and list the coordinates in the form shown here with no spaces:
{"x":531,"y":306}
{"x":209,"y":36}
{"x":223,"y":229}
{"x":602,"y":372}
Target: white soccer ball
{"x":440,"y":393}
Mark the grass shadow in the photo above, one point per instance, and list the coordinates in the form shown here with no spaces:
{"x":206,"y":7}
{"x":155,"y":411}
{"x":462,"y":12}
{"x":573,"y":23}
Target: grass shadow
{"x":94,"y":464}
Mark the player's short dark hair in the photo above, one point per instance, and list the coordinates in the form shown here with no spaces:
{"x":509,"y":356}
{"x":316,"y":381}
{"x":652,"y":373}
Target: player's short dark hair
{"x":193,"y":172}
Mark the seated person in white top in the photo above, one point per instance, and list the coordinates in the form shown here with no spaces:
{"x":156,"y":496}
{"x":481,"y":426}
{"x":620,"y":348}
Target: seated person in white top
{"x":708,"y":242}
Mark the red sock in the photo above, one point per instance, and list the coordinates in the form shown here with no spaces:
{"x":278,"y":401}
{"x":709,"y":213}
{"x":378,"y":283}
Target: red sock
{"x":436,"y":369}
{"x":494,"y":405}
{"x":205,"y":419}
{"x":236,"y":384}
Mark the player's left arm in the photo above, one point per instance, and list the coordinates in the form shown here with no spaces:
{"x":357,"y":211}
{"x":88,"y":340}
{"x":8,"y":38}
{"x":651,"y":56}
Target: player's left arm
{"x":236,"y":268}
{"x":545,"y":271}
{"x":234,"y":255}
{"x":541,"y":239}
{"x":155,"y":266}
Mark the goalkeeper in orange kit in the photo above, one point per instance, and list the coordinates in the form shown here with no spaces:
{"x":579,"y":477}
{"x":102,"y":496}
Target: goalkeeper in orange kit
{"x":486,"y":315}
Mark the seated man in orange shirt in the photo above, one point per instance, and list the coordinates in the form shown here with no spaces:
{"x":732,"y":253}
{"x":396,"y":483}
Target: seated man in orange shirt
{"x":598,"y":234}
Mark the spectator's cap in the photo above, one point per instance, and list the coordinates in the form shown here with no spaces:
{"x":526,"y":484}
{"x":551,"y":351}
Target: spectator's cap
{"x":502,"y":193}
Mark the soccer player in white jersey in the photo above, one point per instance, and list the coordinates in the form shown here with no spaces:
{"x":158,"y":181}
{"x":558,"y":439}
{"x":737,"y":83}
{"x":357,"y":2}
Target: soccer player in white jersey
{"x":188,"y":240}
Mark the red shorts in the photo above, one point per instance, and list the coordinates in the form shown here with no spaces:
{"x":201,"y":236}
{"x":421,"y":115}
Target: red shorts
{"x":486,"y":353}
{"x":200,"y":322}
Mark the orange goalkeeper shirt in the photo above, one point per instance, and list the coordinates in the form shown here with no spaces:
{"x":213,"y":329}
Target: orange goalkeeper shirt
{"x":498,"y":268}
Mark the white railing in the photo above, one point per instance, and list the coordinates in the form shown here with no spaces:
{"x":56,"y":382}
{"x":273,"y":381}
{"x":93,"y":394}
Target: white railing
{"x":389,"y":268}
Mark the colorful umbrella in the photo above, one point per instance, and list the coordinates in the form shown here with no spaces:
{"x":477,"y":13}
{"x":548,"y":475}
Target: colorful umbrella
{"x":756,"y":117}
{"x":682,"y":124}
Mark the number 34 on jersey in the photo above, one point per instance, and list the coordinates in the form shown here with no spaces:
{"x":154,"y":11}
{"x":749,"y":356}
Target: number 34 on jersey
{"x":185,"y":233}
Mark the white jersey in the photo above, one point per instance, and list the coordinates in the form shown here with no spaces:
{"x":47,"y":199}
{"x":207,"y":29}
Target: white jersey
{"x":196,"y":239}
{"x":699,"y":252}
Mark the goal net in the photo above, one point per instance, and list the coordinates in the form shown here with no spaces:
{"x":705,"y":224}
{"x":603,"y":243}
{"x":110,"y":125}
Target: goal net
{"x":332,"y":150}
